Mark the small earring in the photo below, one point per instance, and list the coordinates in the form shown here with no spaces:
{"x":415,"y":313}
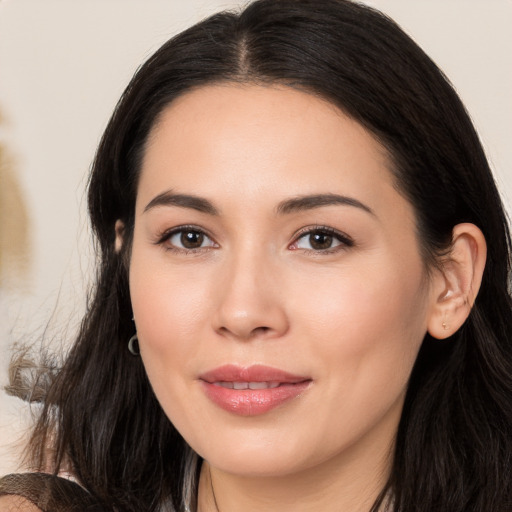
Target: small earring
{"x":444,"y":324}
{"x":133,"y":345}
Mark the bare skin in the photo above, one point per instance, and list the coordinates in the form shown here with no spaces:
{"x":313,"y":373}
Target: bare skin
{"x":17,"y":504}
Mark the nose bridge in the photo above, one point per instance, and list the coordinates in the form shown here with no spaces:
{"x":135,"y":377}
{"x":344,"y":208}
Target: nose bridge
{"x":250,"y":304}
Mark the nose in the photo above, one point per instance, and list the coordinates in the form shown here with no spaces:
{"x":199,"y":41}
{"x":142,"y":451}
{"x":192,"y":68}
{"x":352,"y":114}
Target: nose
{"x":251,"y":301}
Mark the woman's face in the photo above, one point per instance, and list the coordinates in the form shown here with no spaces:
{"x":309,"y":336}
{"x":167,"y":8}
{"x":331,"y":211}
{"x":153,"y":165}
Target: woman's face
{"x":278,"y":290}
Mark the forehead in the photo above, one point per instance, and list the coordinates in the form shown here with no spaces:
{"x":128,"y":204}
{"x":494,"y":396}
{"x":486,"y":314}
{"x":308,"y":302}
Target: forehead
{"x":254,"y":141}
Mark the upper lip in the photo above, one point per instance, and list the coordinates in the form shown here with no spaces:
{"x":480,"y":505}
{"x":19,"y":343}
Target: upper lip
{"x":254,"y":373}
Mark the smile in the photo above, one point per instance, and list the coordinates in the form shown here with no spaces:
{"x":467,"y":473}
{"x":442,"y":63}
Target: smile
{"x":251,"y":391}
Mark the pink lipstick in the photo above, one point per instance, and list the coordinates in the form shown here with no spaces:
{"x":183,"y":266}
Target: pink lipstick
{"x":253,"y":390}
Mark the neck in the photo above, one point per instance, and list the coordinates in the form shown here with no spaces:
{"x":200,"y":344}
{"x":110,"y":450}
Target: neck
{"x":347,"y":483}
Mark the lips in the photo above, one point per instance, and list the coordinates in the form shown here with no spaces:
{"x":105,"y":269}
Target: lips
{"x":251,"y":391}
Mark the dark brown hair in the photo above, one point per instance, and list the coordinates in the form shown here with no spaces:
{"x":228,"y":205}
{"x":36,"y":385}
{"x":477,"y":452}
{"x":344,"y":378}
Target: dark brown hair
{"x":453,"y":450}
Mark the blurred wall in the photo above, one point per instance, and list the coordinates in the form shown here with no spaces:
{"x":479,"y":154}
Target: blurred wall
{"x":63,"y":65}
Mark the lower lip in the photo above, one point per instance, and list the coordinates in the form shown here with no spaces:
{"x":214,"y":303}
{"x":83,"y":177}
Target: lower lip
{"x":252,"y":402}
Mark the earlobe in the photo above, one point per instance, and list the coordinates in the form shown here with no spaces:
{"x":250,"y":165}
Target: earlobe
{"x":457,"y":282}
{"x":119,"y":230}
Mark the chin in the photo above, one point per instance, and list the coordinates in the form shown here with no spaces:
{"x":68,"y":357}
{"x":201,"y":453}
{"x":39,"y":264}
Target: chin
{"x":261,"y":467}
{"x":260,"y":458}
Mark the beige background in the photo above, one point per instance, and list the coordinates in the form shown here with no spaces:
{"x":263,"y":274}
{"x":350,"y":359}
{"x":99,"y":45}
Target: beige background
{"x":64,"y":63}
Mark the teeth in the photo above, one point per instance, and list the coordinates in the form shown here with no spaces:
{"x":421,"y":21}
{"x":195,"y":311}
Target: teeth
{"x":247,"y":385}
{"x":228,"y":385}
{"x":258,"y":385}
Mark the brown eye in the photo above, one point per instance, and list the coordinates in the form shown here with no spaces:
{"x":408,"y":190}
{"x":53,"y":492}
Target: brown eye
{"x":191,"y":239}
{"x":320,"y":241}
{"x":188,"y":239}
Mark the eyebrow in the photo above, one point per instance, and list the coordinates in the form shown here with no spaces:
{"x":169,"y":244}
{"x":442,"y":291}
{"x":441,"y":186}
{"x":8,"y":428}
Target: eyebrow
{"x":183,"y":201}
{"x":295,"y":204}
{"x":310,"y":202}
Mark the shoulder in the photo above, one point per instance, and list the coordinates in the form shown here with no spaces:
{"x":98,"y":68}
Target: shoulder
{"x":34,"y":492}
{"x":17,"y":504}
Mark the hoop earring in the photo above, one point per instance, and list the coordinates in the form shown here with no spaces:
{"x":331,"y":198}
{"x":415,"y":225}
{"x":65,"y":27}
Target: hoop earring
{"x":133,"y":345}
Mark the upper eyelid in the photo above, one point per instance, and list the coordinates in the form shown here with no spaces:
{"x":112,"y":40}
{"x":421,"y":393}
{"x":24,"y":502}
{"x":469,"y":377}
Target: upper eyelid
{"x":166,"y":234}
{"x":319,"y":228}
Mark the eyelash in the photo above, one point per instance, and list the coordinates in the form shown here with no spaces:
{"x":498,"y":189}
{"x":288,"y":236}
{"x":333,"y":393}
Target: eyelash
{"x":344,"y":240}
{"x":168,"y":234}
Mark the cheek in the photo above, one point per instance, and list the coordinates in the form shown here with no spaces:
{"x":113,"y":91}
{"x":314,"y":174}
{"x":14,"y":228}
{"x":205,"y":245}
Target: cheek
{"x":371,"y":323}
{"x":170,"y":309}
{"x":362,"y":334}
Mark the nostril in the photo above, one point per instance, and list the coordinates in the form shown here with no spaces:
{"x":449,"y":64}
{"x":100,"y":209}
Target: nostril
{"x":248,"y":334}
{"x":259,"y":331}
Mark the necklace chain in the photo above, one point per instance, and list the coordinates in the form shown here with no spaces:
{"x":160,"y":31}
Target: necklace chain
{"x":187,"y":507}
{"x":213,"y":490}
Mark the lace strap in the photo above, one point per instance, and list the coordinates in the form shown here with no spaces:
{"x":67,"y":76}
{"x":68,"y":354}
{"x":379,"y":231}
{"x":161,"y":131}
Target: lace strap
{"x":50,"y":493}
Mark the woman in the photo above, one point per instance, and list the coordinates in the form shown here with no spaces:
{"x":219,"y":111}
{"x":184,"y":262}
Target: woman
{"x":302,"y":301}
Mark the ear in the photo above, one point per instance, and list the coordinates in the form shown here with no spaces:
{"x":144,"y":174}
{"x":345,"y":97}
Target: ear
{"x":456,"y":284}
{"x":119,"y":229}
